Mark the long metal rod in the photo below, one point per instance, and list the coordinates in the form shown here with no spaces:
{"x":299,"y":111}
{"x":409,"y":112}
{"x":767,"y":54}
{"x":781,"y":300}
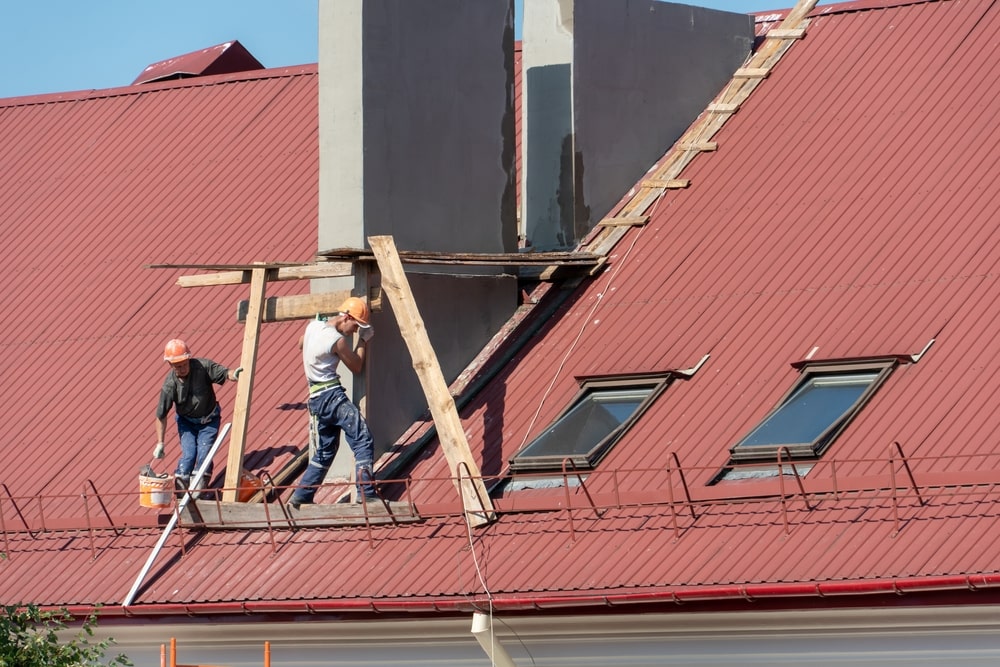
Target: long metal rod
{"x":177,"y":512}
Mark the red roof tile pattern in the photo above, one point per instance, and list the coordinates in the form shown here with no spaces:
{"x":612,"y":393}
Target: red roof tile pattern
{"x":845,"y":214}
{"x":214,"y":170}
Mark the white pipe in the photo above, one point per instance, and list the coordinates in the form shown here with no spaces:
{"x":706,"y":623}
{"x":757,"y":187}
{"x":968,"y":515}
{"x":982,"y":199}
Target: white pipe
{"x":177,"y":512}
{"x":482,"y":629}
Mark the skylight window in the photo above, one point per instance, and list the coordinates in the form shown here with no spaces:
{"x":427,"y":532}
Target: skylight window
{"x":598,"y":416}
{"x":814,"y":412}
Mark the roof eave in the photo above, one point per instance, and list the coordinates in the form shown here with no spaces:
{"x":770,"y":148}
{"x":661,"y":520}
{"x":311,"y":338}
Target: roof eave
{"x":859,"y":591}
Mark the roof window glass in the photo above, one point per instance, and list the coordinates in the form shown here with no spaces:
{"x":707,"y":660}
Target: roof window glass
{"x":598,"y":416}
{"x":814,"y":412}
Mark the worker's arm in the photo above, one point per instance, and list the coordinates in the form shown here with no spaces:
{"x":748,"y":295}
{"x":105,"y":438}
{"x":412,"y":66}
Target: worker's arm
{"x":353,"y":359}
{"x":161,"y":431}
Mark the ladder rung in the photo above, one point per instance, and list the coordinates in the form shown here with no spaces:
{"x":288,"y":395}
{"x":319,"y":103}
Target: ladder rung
{"x":723,"y":108}
{"x":703,"y":146}
{"x":625,"y":221}
{"x":752,"y":73}
{"x":786,"y":33}
{"x":666,"y":183}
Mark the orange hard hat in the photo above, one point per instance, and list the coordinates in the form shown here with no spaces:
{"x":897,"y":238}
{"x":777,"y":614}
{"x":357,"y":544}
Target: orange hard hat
{"x":357,"y":309}
{"x":175,"y":351}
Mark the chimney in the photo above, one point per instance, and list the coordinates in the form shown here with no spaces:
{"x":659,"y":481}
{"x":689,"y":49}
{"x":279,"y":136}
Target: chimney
{"x":417,"y":142}
{"x":609,"y":85}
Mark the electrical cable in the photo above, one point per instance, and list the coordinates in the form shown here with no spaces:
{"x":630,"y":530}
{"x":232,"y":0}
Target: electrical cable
{"x":482,"y":582}
{"x":583,"y":325}
{"x":562,"y":363}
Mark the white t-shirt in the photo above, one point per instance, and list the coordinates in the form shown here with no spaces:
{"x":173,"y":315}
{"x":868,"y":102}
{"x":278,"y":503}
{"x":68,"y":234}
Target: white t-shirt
{"x":318,"y":358}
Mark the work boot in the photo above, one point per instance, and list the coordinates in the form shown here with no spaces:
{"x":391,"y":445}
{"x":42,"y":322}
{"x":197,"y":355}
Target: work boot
{"x":365,"y":484}
{"x":181,"y":485}
{"x":295,"y":502}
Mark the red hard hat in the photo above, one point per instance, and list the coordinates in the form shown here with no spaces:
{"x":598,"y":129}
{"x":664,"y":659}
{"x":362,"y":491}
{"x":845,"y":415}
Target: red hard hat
{"x":175,"y":351}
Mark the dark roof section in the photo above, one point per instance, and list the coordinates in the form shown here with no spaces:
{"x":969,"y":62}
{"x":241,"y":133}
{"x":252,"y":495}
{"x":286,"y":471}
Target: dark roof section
{"x":227,"y":58}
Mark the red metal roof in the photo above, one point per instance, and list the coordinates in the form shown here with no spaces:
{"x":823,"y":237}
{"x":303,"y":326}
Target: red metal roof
{"x":98,"y":185}
{"x":846,"y":214}
{"x":226,"y":58}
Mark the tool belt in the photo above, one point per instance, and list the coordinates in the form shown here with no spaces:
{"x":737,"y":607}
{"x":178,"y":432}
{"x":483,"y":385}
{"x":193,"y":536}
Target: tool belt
{"x":320,"y":387}
{"x":207,"y":418}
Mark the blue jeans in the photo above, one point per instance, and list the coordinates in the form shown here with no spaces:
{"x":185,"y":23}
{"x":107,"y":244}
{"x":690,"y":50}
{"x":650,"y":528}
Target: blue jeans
{"x":196,"y":440}
{"x":334,"y":413}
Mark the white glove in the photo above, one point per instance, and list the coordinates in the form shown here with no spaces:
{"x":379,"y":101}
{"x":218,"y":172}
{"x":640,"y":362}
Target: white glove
{"x":366,"y":334}
{"x":236,"y":373}
{"x":158,"y":451}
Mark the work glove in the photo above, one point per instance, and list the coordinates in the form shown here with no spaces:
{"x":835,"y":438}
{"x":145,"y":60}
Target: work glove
{"x":158,"y":451}
{"x":366,"y":334}
{"x":236,"y":373}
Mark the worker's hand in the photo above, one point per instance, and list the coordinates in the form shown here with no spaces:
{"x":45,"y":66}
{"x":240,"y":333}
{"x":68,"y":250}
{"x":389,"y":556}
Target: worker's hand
{"x":236,"y":373}
{"x":158,"y":451}
{"x":366,"y":334}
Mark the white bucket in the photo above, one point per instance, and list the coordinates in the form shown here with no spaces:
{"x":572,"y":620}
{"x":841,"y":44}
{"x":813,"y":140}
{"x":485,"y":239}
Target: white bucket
{"x":155,"y":492}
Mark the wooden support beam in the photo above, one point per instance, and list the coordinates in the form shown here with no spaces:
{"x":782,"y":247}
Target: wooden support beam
{"x":666,"y":183}
{"x":295,"y":307}
{"x":244,"y":387}
{"x":475,"y":498}
{"x":471,"y":258}
{"x":625,"y":221}
{"x":320,"y":270}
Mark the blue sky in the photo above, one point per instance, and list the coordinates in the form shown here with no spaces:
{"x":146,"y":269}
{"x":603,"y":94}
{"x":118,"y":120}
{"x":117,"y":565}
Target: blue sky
{"x":49,"y":46}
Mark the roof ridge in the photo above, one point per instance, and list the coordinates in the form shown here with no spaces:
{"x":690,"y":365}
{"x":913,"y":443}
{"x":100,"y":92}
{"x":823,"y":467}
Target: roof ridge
{"x":308,"y":69}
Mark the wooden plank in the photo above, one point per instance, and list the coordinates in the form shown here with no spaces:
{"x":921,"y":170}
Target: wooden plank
{"x":723,"y":108}
{"x":786,"y":33}
{"x":593,"y":272}
{"x":476,"y":499}
{"x":295,"y":307}
{"x":227,"y":267}
{"x":610,"y":236}
{"x":625,"y":221}
{"x":244,"y":387}
{"x":555,"y":272}
{"x":703,"y":146}
{"x":310,"y":271}
{"x":472,"y":258}
{"x":666,"y":183}
{"x":752,"y":73}
{"x":212,"y":515}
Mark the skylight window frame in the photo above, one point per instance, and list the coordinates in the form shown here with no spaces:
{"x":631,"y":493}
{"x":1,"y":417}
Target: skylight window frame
{"x":809,"y":371}
{"x":655,"y":382}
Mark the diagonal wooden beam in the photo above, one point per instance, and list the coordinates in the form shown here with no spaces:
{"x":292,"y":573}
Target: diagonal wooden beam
{"x":464,"y":469}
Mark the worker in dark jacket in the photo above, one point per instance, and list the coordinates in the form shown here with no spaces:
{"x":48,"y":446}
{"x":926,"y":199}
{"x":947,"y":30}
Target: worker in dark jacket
{"x":188,"y":387}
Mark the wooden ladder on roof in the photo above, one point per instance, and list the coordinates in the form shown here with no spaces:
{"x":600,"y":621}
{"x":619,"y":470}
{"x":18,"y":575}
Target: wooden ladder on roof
{"x":699,"y":137}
